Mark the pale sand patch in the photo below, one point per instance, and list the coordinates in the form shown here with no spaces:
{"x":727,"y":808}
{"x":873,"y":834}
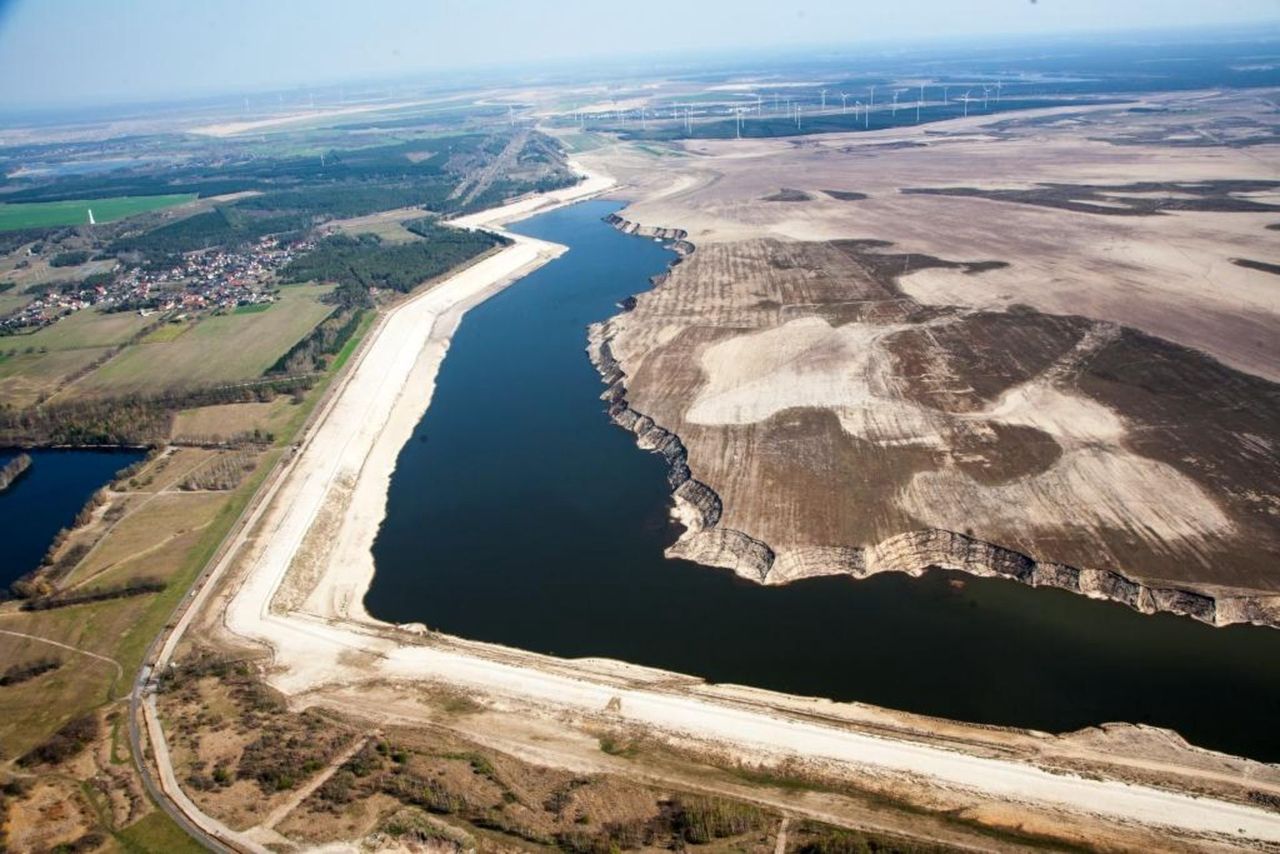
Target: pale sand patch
{"x":1096,"y":483}
{"x":807,"y":363}
{"x":1167,"y":275}
{"x":224,"y":129}
{"x":1086,"y":488}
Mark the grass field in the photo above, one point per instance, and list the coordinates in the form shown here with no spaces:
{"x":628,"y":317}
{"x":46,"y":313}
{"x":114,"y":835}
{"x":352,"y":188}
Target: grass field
{"x":25,"y":376}
{"x":583,"y":141}
{"x":85,"y":328}
{"x":253,"y":308}
{"x":76,"y":211}
{"x":231,"y":418}
{"x":156,"y":834}
{"x":168,"y":332}
{"x":221,"y":349}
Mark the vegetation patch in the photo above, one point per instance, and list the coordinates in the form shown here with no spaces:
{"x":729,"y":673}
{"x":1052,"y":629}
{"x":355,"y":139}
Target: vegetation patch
{"x":699,"y":820}
{"x":73,"y":258}
{"x":788,"y":195}
{"x":14,"y":469}
{"x":67,"y":742}
{"x":137,"y":587}
{"x":358,"y":264}
{"x":16,"y":674}
{"x":1261,"y":266}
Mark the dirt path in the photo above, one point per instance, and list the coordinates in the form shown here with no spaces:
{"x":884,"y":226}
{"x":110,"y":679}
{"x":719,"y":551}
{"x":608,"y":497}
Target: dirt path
{"x":75,"y":649}
{"x":278,"y":814}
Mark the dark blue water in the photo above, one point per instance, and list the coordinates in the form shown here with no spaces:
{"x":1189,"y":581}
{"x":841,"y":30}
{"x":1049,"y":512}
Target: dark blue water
{"x":47,"y":498}
{"x":519,"y":514}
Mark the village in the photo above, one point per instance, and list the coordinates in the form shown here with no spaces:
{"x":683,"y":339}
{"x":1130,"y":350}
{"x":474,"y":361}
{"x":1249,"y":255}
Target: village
{"x":208,"y":280}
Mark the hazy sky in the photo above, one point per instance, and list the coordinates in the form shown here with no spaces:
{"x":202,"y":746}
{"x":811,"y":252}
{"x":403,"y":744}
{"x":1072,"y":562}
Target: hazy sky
{"x":81,"y":51}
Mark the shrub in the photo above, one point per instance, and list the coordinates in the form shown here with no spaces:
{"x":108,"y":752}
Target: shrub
{"x":74,"y":258}
{"x":67,"y":742}
{"x":699,"y":820}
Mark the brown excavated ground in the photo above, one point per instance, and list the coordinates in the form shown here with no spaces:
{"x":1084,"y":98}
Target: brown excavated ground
{"x":1030,"y":338}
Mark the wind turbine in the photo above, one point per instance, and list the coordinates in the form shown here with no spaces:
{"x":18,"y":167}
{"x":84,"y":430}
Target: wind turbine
{"x":844,"y":102}
{"x":759,"y":104}
{"x":896,"y":92}
{"x":965,"y":97}
{"x":918,"y":103}
{"x":823,"y":93}
{"x":998,"y":85}
{"x":797,"y":117}
{"x":873,"y":96}
{"x":986,"y":96}
{"x":866,"y":116}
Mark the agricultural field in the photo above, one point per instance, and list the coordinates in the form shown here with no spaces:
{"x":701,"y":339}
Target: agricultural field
{"x":25,"y":377}
{"x":214,"y":423}
{"x":76,"y":211}
{"x":388,"y":226}
{"x":12,"y":300}
{"x":86,"y":328}
{"x":24,"y":272}
{"x":39,"y":364}
{"x":220,"y":349}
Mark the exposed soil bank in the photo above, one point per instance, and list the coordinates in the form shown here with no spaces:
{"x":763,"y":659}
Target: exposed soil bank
{"x":699,"y":508}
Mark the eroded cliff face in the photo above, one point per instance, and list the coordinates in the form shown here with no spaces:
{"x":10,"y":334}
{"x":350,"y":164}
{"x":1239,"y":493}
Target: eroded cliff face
{"x":820,"y":450}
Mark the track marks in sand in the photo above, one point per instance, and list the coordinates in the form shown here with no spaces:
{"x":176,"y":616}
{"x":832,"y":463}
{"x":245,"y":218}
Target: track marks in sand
{"x":1096,"y":482}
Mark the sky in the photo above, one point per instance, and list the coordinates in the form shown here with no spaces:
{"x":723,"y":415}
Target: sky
{"x":75,"y":52}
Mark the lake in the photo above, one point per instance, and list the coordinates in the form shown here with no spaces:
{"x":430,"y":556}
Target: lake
{"x":47,"y":499}
{"x":519,"y":514}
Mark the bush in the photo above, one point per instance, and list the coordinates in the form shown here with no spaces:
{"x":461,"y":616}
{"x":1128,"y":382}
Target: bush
{"x":73,"y":258}
{"x":67,"y":742}
{"x":699,"y":820}
{"x":19,"y":673}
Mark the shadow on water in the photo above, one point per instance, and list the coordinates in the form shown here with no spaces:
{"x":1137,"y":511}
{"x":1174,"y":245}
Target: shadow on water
{"x":519,"y":515}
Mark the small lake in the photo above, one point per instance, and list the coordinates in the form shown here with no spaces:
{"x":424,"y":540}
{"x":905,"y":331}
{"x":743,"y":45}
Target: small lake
{"x":47,"y":499}
{"x":519,"y":514}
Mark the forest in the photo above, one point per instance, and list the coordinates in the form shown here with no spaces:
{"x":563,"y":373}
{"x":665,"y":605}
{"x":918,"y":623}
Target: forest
{"x":365,"y":262}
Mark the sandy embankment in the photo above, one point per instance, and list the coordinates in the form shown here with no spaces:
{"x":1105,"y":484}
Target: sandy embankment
{"x":307,"y":565}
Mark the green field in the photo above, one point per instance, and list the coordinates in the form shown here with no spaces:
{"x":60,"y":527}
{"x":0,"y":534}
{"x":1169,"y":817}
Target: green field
{"x":86,"y":328}
{"x":76,"y":211}
{"x":224,"y":348}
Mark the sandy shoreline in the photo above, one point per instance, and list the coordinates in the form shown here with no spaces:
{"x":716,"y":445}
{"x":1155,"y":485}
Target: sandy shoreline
{"x":304,"y":564}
